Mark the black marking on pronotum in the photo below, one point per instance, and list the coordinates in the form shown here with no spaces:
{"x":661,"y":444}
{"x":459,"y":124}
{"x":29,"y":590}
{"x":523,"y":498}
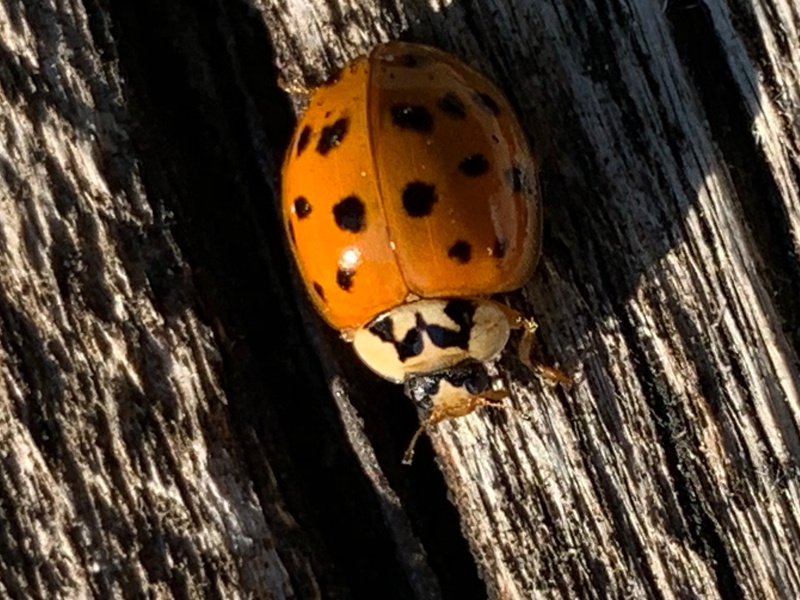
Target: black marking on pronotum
{"x":320,"y":291}
{"x":461,"y":312}
{"x":412,"y":343}
{"x":332,"y":135}
{"x":486,"y":102}
{"x":383,"y":329}
{"x":349,"y":214}
{"x":344,"y":278}
{"x":302,"y":141}
{"x":419,"y":198}
{"x":499,"y":249}
{"x":452,"y":106}
{"x":302,"y":207}
{"x":411,"y":116}
{"x":460,"y":252}
{"x":474,"y":166}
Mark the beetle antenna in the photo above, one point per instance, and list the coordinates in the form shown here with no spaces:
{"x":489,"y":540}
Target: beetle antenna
{"x":408,"y":456}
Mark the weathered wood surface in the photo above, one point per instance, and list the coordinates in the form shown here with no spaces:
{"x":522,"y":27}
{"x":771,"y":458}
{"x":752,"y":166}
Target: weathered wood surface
{"x":177,"y":424}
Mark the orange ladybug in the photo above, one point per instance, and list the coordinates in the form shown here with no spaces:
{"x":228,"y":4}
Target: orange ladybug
{"x":409,"y":196}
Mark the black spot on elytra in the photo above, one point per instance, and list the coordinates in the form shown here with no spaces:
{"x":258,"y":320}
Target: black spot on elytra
{"x":302,"y":207}
{"x":461,"y":252}
{"x":344,"y":279}
{"x":349,"y":214}
{"x":419,"y":198}
{"x":499,"y":249}
{"x":302,"y":141}
{"x":332,"y":135}
{"x":486,"y":102}
{"x":496,"y":139}
{"x":452,"y":105}
{"x":474,"y":166}
{"x":517,"y":179}
{"x":410,"y":116}
{"x":320,"y":291}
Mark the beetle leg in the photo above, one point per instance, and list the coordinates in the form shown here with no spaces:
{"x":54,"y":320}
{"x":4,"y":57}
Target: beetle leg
{"x":527,"y":345}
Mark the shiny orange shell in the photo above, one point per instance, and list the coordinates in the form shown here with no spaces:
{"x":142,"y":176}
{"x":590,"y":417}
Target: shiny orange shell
{"x":409,"y":175}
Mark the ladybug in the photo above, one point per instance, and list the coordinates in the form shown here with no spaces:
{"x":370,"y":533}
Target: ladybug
{"x":409,"y":196}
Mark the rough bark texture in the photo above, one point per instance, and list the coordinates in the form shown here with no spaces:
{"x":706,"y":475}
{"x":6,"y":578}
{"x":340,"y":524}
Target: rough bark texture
{"x":176,"y":423}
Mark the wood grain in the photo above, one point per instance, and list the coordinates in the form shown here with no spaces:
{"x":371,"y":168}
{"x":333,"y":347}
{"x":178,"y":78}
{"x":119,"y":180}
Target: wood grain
{"x":176,"y":423}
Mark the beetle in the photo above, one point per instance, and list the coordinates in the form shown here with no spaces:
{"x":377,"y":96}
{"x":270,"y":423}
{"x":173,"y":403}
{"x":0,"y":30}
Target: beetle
{"x":410,"y":196}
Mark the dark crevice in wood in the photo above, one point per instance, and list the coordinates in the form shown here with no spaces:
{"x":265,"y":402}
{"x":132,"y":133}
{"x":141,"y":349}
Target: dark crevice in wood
{"x":202,"y":99}
{"x":194,"y":154}
{"x":389,"y":422}
{"x":731,"y":124}
{"x":746,"y":23}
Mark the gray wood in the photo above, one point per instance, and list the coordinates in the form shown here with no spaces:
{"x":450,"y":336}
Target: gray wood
{"x":166,"y":430}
